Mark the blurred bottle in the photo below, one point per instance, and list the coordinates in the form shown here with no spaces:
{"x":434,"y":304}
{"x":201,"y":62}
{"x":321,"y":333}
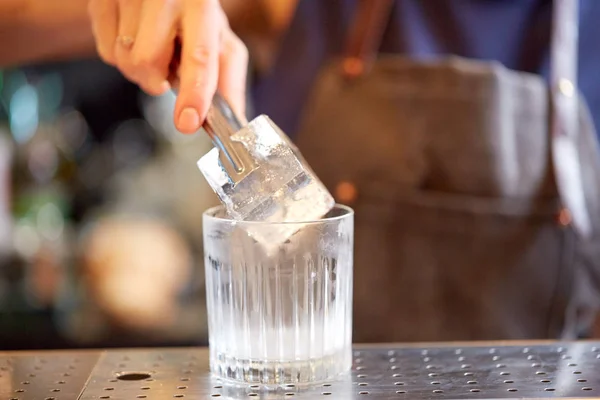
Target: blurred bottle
{"x":6,"y":159}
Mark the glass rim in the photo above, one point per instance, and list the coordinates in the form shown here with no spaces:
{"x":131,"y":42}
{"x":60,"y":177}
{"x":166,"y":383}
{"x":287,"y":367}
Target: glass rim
{"x":210,"y":214}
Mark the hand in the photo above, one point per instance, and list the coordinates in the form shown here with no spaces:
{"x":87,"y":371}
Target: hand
{"x":138,"y":37}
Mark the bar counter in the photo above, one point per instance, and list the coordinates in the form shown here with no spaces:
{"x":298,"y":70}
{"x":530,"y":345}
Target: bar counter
{"x":475,"y":370}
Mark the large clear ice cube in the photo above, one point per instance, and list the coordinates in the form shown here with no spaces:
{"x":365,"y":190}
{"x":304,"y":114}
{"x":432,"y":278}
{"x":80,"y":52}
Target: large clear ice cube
{"x":281,"y":188}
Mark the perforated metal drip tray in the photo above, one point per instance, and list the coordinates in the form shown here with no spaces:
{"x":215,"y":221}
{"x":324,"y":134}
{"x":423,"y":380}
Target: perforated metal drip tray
{"x":45,"y":375}
{"x":382,"y":372}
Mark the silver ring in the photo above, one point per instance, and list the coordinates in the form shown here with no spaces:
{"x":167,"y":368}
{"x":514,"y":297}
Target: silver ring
{"x":125,"y":40}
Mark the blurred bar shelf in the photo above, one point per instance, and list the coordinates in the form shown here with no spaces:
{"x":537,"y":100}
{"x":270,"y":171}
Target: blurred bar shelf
{"x":473,"y":370}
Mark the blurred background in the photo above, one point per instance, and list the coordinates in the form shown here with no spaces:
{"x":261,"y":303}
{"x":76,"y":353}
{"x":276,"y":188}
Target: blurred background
{"x":98,"y":193}
{"x":101,"y":201}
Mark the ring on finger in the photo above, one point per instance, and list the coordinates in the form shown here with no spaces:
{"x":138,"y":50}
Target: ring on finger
{"x":125,"y":41}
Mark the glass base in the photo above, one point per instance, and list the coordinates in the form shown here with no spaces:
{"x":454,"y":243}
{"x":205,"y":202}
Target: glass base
{"x":274,"y":374}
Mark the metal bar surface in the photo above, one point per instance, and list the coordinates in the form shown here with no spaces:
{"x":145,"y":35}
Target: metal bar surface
{"x":506,"y":370}
{"x":45,"y":375}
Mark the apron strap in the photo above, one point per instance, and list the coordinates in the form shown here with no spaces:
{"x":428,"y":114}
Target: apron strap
{"x":564,"y":123}
{"x":362,"y":46}
{"x":365,"y":36}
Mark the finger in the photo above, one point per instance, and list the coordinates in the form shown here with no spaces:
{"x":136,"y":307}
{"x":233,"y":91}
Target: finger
{"x":233,"y":66}
{"x":199,"y":63}
{"x":127,"y":33}
{"x":104,"y":15}
{"x":153,"y":49}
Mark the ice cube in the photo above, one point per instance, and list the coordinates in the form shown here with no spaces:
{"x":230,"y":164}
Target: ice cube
{"x":282,"y":187}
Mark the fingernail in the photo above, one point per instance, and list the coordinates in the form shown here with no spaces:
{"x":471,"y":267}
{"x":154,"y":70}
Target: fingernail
{"x":164,"y":87}
{"x":189,"y":120}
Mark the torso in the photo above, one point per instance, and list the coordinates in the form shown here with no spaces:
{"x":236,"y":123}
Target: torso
{"x":515,"y":33}
{"x":456,"y":228}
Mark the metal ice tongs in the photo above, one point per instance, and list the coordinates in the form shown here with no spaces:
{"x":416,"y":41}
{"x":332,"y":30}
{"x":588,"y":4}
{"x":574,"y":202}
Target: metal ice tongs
{"x":221,"y":122}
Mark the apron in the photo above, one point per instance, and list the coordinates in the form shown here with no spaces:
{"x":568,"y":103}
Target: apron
{"x":475,"y":188}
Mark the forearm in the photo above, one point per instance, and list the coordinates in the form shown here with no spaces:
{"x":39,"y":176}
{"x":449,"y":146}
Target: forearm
{"x":51,"y":30}
{"x":44,"y":30}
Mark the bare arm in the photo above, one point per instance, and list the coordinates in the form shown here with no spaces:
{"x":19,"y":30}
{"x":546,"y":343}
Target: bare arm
{"x":44,"y":30}
{"x":48,"y":30}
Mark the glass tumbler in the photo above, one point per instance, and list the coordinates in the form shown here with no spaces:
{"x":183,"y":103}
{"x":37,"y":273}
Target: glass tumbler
{"x":279,"y":316}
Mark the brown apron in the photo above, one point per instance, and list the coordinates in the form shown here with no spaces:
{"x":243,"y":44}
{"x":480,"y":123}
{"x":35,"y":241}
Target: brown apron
{"x":467,"y":181}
